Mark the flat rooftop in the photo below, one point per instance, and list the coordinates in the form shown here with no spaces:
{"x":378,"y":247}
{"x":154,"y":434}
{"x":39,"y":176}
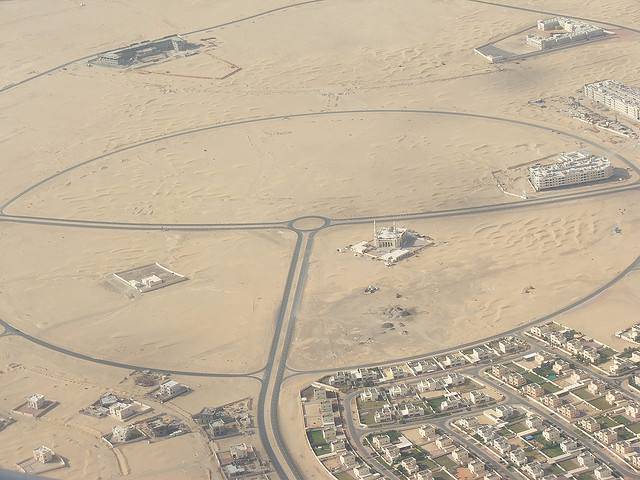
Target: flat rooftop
{"x":570,"y":163}
{"x":629,"y":95}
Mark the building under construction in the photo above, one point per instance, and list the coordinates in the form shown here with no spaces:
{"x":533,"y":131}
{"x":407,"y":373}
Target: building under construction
{"x":615,"y":96}
{"x":571,"y":169}
{"x":563,"y":31}
{"x":144,"y":52}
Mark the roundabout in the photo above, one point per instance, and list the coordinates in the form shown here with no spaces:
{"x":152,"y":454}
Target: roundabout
{"x":255,"y":204}
{"x":323,"y":187}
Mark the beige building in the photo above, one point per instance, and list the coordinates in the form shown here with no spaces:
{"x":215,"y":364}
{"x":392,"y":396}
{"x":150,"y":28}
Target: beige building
{"x":390,"y":237}
{"x":572,"y":168}
{"x":616,"y":96}
{"x":43,"y":454}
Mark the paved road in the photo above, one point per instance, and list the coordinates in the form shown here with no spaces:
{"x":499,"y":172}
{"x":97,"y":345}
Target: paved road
{"x":511,"y":397}
{"x":274,"y":371}
{"x":51,"y":70}
{"x":553,"y":14}
{"x":353,"y":220}
{"x":566,"y":426}
{"x":268,"y":401}
{"x":519,"y":329}
{"x":103,"y":225}
{"x":11,"y":330}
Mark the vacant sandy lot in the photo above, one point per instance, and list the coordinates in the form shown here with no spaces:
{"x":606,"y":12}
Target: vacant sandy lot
{"x":320,"y":57}
{"x":395,"y":63}
{"x":342,"y":165}
{"x":57,"y":286}
{"x":469,"y":286}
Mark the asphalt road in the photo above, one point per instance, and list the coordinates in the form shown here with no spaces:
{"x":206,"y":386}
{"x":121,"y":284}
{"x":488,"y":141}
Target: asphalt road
{"x":553,"y":14}
{"x":566,"y":426}
{"x":270,"y":431}
{"x":355,"y":432}
{"x":519,"y":329}
{"x":11,"y":330}
{"x":249,"y":121}
{"x":285,"y":321}
{"x":57,"y":68}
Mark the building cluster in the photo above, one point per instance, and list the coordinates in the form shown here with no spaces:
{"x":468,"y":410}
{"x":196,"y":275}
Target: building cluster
{"x":144,"y":52}
{"x":117,"y":407}
{"x":616,"y":96}
{"x":153,"y":429}
{"x":571,"y":168}
{"x":571,"y":422}
{"x":483,"y":353}
{"x":430,"y":396}
{"x":535,"y":447}
{"x":326,"y":436}
{"x":598,"y":408}
{"x":587,"y":350}
{"x":241,"y":460}
{"x":225,"y":421}
{"x":436,"y":448}
{"x":571,"y":31}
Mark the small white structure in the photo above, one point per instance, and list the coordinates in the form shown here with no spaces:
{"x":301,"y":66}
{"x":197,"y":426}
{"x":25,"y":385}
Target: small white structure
{"x":348,"y":460}
{"x":572,"y":168}
{"x":427,"y":431}
{"x":123,"y":433}
{"x":390,"y":237}
{"x":36,"y":401}
{"x":151,"y":281}
{"x":586,"y":459}
{"x":43,"y":454}
{"x":122,"y":411}
{"x":240,"y":451}
{"x":172,"y":388}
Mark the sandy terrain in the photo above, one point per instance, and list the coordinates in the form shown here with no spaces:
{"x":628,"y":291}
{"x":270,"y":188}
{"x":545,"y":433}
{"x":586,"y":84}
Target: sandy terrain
{"x":320,"y":57}
{"x":280,"y":77}
{"x":614,"y":310}
{"x":76,"y":437}
{"x":469,"y":286}
{"x":69,"y":299}
{"x":344,"y":166}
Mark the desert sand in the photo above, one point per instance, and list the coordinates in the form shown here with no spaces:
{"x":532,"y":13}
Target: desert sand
{"x":76,"y":304}
{"x":98,"y":135}
{"x":470,"y":285}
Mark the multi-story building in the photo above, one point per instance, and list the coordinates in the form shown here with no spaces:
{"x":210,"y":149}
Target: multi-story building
{"x":551,"y":434}
{"x":571,"y":169}
{"x":607,"y":436}
{"x":534,"y":421}
{"x":589,"y":424}
{"x":616,"y":96}
{"x":573,"y":31}
{"x":391,"y":453}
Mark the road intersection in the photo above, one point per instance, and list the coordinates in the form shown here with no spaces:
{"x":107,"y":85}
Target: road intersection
{"x":274,"y":372}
